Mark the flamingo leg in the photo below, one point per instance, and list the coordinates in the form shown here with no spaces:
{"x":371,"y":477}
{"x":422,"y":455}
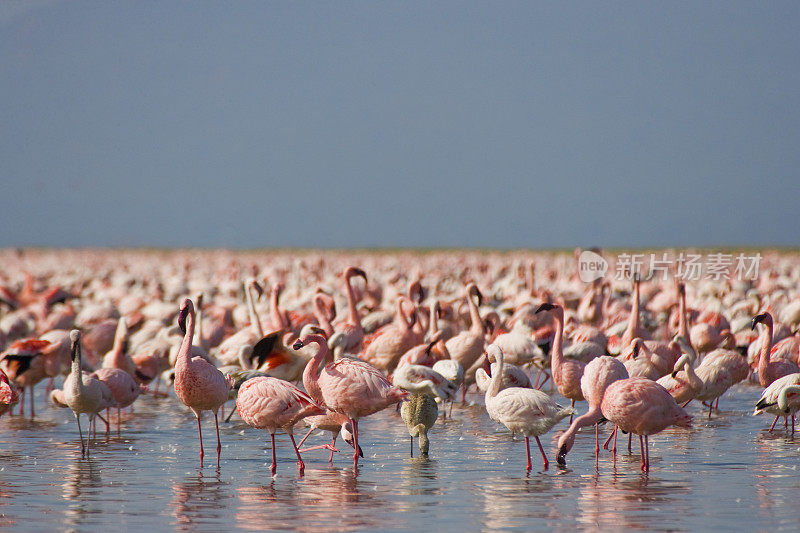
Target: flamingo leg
{"x":630,"y":440}
{"x":545,"y":462}
{"x":596,"y":441}
{"x":304,"y":438}
{"x":333,"y":447}
{"x":300,"y":464}
{"x":785,"y":418}
{"x":119,"y":415}
{"x":354,"y":423}
{"x":773,"y":424}
{"x":22,"y":402}
{"x":646,"y":454}
{"x":572,"y":404}
{"x":611,"y":436}
{"x":451,"y":408}
{"x":614,"y":448}
{"x":33,"y":414}
{"x":528,"y":454}
{"x":644,"y":458}
{"x":411,"y":440}
{"x":710,"y":406}
{"x":274,"y":467}
{"x":200,"y":433}
{"x":230,"y":414}
{"x":219,"y":444}
{"x":80,"y":432}
{"x":687,"y":403}
{"x":793,"y":425}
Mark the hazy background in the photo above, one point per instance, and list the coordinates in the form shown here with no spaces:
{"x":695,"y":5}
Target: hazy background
{"x":503,"y":124}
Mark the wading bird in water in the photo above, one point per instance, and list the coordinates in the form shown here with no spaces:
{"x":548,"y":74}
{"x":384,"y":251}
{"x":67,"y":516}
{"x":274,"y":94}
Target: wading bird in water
{"x":198,"y":383}
{"x":349,"y":387}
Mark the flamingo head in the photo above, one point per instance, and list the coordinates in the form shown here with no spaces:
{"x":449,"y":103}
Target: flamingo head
{"x":75,"y":340}
{"x":186,"y":308}
{"x":565,"y":443}
{"x":763,"y":318}
{"x":355,"y":271}
{"x":546,"y":307}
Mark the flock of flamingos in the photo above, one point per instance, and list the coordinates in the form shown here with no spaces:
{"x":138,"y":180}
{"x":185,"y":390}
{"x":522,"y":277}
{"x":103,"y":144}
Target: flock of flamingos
{"x":321,"y":340}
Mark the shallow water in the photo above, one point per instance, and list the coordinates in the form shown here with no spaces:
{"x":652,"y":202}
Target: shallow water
{"x":726,"y":473}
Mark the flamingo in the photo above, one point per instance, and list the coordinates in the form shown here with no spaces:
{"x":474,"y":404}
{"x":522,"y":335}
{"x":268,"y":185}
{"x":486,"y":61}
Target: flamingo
{"x":769,"y":400}
{"x":468,"y":346}
{"x":24,"y":363}
{"x":769,"y":371}
{"x":198,"y":383}
{"x":566,"y":372}
{"x":642,"y":407}
{"x":349,"y":387}
{"x":597,"y":376}
{"x":335,"y":423}
{"x":271,"y":403}
{"x":83,"y":393}
{"x":452,"y":371}
{"x":687,"y":386}
{"x":423,"y":380}
{"x":530,"y":412}
{"x":392,"y":341}
{"x":8,"y":394}
{"x":352,"y":327}
{"x":122,"y":386}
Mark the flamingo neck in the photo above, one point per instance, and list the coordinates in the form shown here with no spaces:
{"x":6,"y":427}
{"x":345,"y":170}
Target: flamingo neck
{"x":496,"y":384}
{"x":633,"y":319}
{"x":186,"y":345}
{"x":589,"y":418}
{"x":433,"y":324}
{"x":322,"y":317}
{"x":766,"y":346}
{"x":351,"y":304}
{"x":251,"y":309}
{"x":278,"y":320}
{"x":475,"y":316}
{"x":683,"y":327}
{"x":311,"y":372}
{"x":557,"y":353}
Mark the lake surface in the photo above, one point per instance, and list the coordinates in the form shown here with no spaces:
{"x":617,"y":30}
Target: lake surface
{"x":726,"y":473}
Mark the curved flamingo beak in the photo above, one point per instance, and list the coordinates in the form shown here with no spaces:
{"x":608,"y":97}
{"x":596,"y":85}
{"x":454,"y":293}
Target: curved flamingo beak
{"x":182,"y":319}
{"x":561,"y":458}
{"x":757,"y":320}
{"x":545,"y":307}
{"x":297,"y":345}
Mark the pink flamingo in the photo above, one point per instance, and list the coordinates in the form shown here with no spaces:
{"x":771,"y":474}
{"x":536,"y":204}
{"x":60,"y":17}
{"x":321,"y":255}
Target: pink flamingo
{"x":24,"y":363}
{"x":566,"y":372}
{"x":123,"y":387}
{"x":769,"y":371}
{"x":333,"y":422}
{"x":198,"y":383}
{"x":468,"y":346}
{"x":391,"y":342}
{"x":597,"y":376}
{"x":349,"y":387}
{"x":352,"y":327}
{"x":8,"y":394}
{"x":642,"y":407}
{"x":271,"y":403}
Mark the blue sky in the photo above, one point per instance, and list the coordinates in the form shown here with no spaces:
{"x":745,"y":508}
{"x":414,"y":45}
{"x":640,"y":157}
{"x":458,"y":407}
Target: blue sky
{"x":348,"y":124}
